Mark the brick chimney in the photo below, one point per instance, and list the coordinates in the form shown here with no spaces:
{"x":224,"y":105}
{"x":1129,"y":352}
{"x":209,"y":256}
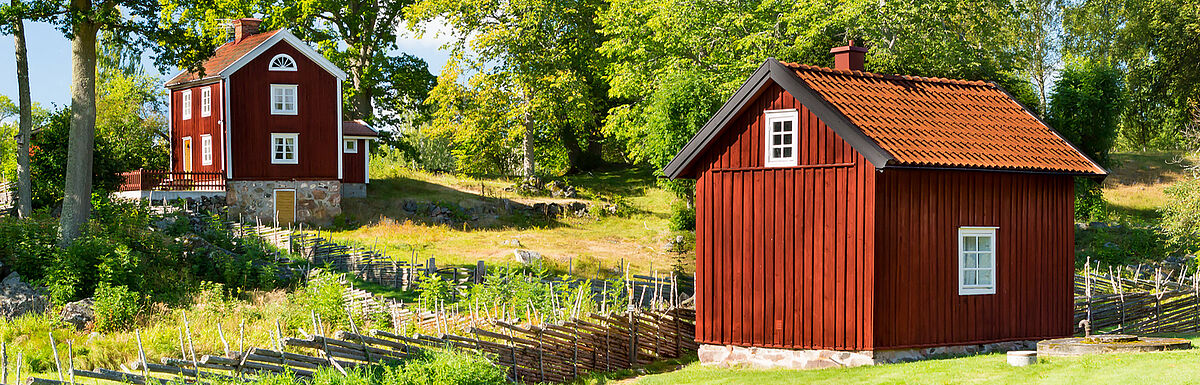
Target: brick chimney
{"x":244,"y":27}
{"x":849,"y":57}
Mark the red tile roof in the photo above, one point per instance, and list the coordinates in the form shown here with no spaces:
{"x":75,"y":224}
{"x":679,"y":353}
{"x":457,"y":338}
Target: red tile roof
{"x":945,"y":122}
{"x":225,"y":56}
{"x":358,"y":128}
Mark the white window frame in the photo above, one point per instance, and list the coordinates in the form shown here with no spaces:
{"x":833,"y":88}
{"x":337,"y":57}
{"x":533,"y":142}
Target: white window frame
{"x":187,"y":104}
{"x":771,"y":117}
{"x":295,"y":148}
{"x":963,"y":254}
{"x":350,"y":146}
{"x":275,"y":110}
{"x":206,"y":150}
{"x":272,"y":67}
{"x":205,"y":102}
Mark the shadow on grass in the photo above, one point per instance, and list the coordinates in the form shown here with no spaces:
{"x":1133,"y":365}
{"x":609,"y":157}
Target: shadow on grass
{"x":386,"y":199}
{"x":656,"y":367}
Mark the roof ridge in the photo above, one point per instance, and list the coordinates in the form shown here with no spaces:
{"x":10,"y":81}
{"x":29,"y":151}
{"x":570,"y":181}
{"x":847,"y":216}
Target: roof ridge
{"x":876,"y":75}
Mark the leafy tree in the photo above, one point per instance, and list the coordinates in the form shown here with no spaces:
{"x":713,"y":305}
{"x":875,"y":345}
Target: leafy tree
{"x":12,"y":20}
{"x":532,"y":58}
{"x":1086,"y":106}
{"x":130,"y":107}
{"x":49,"y":166}
{"x":651,"y":42}
{"x":131,"y":22}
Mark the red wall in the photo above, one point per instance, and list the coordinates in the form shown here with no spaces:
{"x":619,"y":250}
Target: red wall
{"x":252,"y":123}
{"x":919,"y":213}
{"x":355,"y":168}
{"x":784,"y":256}
{"x":195,"y":127}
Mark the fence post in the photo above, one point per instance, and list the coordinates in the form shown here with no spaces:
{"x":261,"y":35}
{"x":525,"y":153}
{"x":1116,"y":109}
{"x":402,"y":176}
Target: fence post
{"x":480,"y":271}
{"x":431,"y":266}
{"x":633,"y":339}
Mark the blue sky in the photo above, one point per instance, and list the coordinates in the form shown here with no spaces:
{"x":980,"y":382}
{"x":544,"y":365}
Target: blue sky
{"x":50,"y":61}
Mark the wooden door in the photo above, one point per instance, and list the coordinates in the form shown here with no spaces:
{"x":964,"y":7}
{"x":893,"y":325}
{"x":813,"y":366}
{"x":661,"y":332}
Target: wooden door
{"x":285,"y":206}
{"x":187,"y":154}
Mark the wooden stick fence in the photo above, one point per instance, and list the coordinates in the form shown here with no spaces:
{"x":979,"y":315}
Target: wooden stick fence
{"x":1137,"y":300}
{"x":539,"y":353}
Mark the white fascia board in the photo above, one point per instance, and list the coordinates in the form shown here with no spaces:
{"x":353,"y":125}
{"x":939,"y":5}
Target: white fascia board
{"x":296,"y":43}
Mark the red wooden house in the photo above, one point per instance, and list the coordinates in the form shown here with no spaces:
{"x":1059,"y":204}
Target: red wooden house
{"x":264,"y":123}
{"x":892,"y":216}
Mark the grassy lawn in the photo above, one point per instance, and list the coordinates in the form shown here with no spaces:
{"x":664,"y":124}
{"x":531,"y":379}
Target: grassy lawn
{"x":1176,"y":367}
{"x":1134,"y":187}
{"x":590,"y":245}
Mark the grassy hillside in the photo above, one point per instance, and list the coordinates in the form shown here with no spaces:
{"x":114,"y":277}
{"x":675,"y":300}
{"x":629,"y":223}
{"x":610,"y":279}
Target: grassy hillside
{"x":590,"y":244}
{"x":1135,"y":184}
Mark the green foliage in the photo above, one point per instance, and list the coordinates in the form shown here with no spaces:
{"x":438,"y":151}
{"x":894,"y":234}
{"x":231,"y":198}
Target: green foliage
{"x":1085,"y":108}
{"x":1121,"y":245}
{"x":433,"y":367}
{"x":1089,"y":200}
{"x":322,"y":294}
{"x":48,"y":162}
{"x":28,"y":245}
{"x":434,"y":291}
{"x":116,"y":308}
{"x":1181,"y":214}
{"x":683,"y":218}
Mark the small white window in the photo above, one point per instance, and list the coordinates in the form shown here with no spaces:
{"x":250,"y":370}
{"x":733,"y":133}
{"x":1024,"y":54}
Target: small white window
{"x":206,"y":155}
{"x":976,"y":260}
{"x":187,"y":104}
{"x":351,"y":146}
{"x":781,"y":137}
{"x":283,"y":99}
{"x":206,"y":102}
{"x":285,"y":148}
{"x":282,"y":62}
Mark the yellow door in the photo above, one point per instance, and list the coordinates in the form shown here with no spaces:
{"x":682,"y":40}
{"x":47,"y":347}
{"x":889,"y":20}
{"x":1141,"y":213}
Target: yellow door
{"x":285,"y":206}
{"x":187,"y":154}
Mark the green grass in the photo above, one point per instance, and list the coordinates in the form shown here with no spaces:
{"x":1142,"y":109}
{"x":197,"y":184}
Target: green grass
{"x":594,"y":247}
{"x":1177,"y":367}
{"x":1134,"y":187}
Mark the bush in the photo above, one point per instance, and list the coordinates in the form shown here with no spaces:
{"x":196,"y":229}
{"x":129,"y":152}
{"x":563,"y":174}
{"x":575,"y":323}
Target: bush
{"x":683,"y":218}
{"x":323,"y":295}
{"x":116,"y":308}
{"x":1089,"y":201}
{"x":446,"y":368}
{"x":1181,"y":214}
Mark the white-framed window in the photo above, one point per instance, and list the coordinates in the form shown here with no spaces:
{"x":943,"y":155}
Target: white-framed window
{"x":206,"y":155}
{"x":187,"y":104}
{"x":350,"y":146}
{"x":285,"y":148}
{"x":976,"y":260}
{"x":206,"y":101}
{"x":282,"y":62}
{"x":283,"y":99}
{"x":781,"y":137}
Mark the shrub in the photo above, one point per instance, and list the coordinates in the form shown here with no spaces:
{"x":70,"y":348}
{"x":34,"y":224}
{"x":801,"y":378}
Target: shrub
{"x":433,"y":290}
{"x":1089,"y":201}
{"x":683,"y":218}
{"x":116,"y":308}
{"x":1181,"y":214}
{"x":323,"y":295}
{"x":446,"y":368}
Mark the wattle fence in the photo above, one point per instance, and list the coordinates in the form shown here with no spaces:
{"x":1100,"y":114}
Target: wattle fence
{"x":1137,"y":300}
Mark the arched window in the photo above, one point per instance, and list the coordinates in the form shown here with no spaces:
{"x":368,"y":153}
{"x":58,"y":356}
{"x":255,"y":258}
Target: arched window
{"x":282,"y":62}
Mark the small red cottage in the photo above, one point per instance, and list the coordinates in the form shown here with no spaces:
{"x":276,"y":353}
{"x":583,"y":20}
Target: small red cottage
{"x":266,"y":117}
{"x":880,"y":217}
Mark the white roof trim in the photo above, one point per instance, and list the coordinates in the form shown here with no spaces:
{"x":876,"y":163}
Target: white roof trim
{"x":359,"y":137}
{"x":296,"y":43}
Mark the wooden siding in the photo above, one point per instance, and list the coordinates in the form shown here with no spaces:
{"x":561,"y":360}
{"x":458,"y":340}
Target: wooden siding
{"x":919,"y":213}
{"x":252,"y":123}
{"x":354,"y":163}
{"x":195,"y":127}
{"x":784,"y":256}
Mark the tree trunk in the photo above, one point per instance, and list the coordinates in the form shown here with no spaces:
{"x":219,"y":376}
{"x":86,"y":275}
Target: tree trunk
{"x":24,"y":185}
{"x":527,"y":148}
{"x":360,"y":103}
{"x":77,"y":199}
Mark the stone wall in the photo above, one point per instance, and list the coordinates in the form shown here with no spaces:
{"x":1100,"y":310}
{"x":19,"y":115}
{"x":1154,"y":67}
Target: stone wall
{"x":768,"y":358}
{"x":316,"y":201}
{"x":354,"y":190}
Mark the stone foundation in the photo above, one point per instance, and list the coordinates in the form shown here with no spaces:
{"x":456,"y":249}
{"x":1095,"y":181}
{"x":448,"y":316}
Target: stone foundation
{"x":316,"y":201}
{"x":768,"y":358}
{"x":354,"y":190}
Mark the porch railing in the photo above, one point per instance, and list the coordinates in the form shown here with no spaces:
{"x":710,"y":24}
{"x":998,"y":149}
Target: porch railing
{"x":157,"y":180}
